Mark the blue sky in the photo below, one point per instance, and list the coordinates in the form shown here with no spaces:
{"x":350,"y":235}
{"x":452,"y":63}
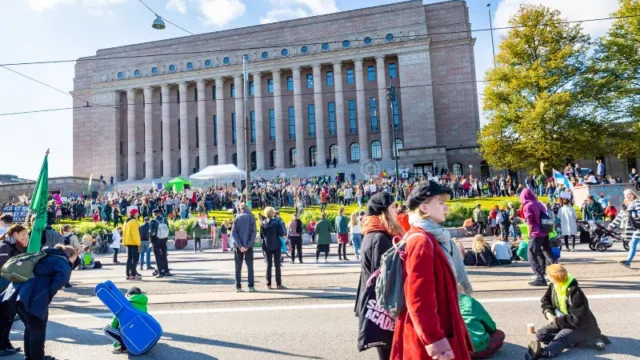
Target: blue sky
{"x":37,"y":30}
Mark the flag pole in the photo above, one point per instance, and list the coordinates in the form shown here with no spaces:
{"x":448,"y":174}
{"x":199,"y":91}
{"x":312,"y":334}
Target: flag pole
{"x":39,"y":206}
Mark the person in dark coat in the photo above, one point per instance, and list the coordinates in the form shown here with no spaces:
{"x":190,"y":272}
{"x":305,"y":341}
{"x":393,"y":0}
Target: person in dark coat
{"x":33,"y":296}
{"x":378,"y":227}
{"x":572,"y":323}
{"x":271,"y":230}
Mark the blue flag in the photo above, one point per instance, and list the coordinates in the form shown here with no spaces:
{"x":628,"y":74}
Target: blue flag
{"x":561,"y":179}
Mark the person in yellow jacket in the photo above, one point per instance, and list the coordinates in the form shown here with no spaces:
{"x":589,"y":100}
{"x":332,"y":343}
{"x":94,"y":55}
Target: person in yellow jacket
{"x":131,"y":239}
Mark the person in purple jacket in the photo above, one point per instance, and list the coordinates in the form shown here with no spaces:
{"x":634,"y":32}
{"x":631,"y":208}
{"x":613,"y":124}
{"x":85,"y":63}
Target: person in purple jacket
{"x":539,"y":249}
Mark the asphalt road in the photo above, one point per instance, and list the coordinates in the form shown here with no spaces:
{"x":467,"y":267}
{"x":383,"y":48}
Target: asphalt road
{"x":204,"y":318}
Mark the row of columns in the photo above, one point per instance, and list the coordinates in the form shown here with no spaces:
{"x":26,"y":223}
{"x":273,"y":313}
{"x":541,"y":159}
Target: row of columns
{"x":341,"y":129}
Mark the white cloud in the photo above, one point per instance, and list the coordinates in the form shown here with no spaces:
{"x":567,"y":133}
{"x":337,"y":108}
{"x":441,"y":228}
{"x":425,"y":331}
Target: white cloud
{"x":179,"y":5}
{"x":221,"y":12}
{"x":42,"y":5}
{"x":293,"y":9}
{"x":94,"y":7}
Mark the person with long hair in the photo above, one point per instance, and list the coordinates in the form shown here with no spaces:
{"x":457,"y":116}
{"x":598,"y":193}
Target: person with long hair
{"x":356,"y":235}
{"x":568,"y":223}
{"x":631,"y":205}
{"x":379,"y":227}
{"x":342,"y":233}
{"x":294,"y":230}
{"x":480,"y":254}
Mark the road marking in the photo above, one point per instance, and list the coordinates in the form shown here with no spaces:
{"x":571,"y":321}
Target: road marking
{"x":319,"y":307}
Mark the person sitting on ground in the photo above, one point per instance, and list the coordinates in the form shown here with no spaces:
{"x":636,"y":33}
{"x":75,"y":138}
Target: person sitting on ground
{"x":480,"y":254}
{"x":485,"y":336}
{"x":572,"y":323}
{"x":502,"y":251}
{"x":139,"y":301}
{"x":88,"y":261}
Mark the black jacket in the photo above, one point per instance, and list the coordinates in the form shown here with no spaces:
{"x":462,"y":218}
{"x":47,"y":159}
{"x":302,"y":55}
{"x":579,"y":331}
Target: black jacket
{"x":153,"y":229}
{"x":145,"y":232}
{"x":7,"y":251}
{"x":374,"y":245}
{"x":485,"y":258}
{"x":270,"y":232}
{"x":580,"y":316}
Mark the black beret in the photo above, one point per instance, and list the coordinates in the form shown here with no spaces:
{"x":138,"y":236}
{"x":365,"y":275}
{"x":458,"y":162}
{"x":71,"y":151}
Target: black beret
{"x":423,"y":191}
{"x":378,"y":203}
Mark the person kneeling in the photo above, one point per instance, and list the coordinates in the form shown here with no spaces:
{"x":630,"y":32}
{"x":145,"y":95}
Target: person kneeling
{"x":486,"y":338}
{"x":571,"y":321}
{"x":139,"y":301}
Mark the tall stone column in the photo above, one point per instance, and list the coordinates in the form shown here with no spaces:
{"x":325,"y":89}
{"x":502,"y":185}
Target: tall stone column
{"x":297,"y":103}
{"x":277,"y":104}
{"x":184,"y":130}
{"x":237,"y":82}
{"x":319,"y":113}
{"x":220,"y":128}
{"x":131,"y":133}
{"x":202,"y":125}
{"x":363,"y":140}
{"x":148,"y":132}
{"x":383,"y":112}
{"x":340,"y":127}
{"x":257,"y":106}
{"x":165,"y":92}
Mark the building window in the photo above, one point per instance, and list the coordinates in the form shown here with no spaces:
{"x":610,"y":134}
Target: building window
{"x":253,"y":161}
{"x":264,"y":55}
{"x":172,"y":68}
{"x":292,"y":123}
{"x":270,"y":86}
{"x":120,"y":147}
{"x":178,"y":96}
{"x":292,"y":156}
{"x":121,"y":75}
{"x":215,"y":130}
{"x":226,"y":60}
{"x":215,"y":160}
{"x":232,"y":91}
{"x":195,"y":94}
{"x":253,"y":126}
{"x":333,"y":151}
{"x":346,"y":44}
{"x":313,"y":154}
{"x":189,"y":65}
{"x":329,"y":78}
{"x":272,"y":158}
{"x":332,"y":118}
{"x":137,"y":73}
{"x":309,"y":81}
{"x":376,"y":150}
{"x":179,"y":142}
{"x":325,"y":46}
{"x":272,"y":125}
{"x":355,"y":152}
{"x":233,"y":129}
{"x":213,"y":93}
{"x":197,"y":164}
{"x":457,"y":169}
{"x":290,"y":83}
{"x":197,"y":134}
{"x":304,"y":50}
{"x":161,"y":138}
{"x":399,"y":145}
{"x":234,"y":159}
{"x":350,"y":77}
{"x":208,"y":63}
{"x":284,"y":52}
{"x":371,"y":73}
{"x":396,"y":117}
{"x":367,"y":40}
{"x":311,"y":113}
{"x":252,"y":90}
{"x":373,"y":113}
{"x":389,"y":37}
{"x":154,"y":70}
{"x":353,"y":122}
{"x":393,"y":70}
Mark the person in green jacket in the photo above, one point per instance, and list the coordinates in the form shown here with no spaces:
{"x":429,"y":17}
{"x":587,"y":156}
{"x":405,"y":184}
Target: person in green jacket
{"x":139,"y":301}
{"x":485,"y":336}
{"x":323,"y":232}
{"x":342,"y":232}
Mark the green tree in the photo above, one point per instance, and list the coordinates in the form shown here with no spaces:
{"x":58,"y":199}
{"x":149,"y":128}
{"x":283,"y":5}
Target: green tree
{"x":532,"y":100}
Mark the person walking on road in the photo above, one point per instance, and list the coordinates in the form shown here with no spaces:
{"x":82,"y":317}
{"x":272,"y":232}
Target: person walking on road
{"x":624,"y":220}
{"x":270,"y":232}
{"x":145,"y":231}
{"x":244,"y":236}
{"x":159,"y":234}
{"x":539,"y":250}
{"x":342,"y":232}
{"x":323,"y":232}
{"x":131,"y":239}
{"x":356,"y":233}
{"x":478,"y":218}
{"x":295,"y":237}
{"x":568,"y":223}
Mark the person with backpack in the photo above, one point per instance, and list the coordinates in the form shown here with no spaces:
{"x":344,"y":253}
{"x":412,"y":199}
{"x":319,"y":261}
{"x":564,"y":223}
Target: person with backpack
{"x":13,"y":242}
{"x":50,"y":273}
{"x":539,"y":250}
{"x":379,"y":226}
{"x":131,"y":239}
{"x":430,"y":325}
{"x":70,"y":238}
{"x":159,"y":232}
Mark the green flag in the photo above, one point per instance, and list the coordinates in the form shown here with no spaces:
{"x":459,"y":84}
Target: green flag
{"x":39,"y":207}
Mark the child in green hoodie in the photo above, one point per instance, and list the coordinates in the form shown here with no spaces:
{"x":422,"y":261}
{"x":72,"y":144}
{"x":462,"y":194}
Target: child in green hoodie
{"x":139,"y":301}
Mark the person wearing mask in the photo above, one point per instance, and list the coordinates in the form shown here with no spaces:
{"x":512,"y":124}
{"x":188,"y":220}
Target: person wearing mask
{"x":116,"y":243}
{"x":244,"y":236}
{"x":323,"y":231}
{"x":131,"y":239}
{"x":6,"y":220}
{"x":295,"y":237}
{"x":431,"y":326}
{"x":342,"y":232}
{"x":623,"y":220}
{"x":51,"y":273}
{"x":379,"y":226}
{"x":356,"y":235}
{"x":539,"y":251}
{"x":13,"y":242}
{"x":158,"y":228}
{"x":270,"y":232}
{"x":145,"y":231}
{"x":568,"y":223}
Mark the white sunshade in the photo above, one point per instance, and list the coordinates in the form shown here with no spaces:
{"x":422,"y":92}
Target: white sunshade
{"x":214,"y":172}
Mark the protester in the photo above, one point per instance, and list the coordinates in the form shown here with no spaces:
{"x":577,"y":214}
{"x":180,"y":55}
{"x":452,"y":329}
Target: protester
{"x":625,"y":219}
{"x":270,"y":232}
{"x":159,"y":234}
{"x":323,"y":231}
{"x":131,"y":239}
{"x":568,"y":224}
{"x":539,"y":254}
{"x":200,"y":228}
{"x":145,"y":236}
{"x":342,"y":233}
{"x":70,"y":238}
{"x":139,"y":301}
{"x":13,"y":242}
{"x":356,"y":236}
{"x":572,"y":323}
{"x":485,"y":336}
{"x":478,"y":218}
{"x":480,"y":254}
{"x":379,"y":226}
{"x":294,"y":230}
{"x":223,"y":233}
{"x":403,"y":217}
{"x":88,"y":260}
{"x":115,"y":244}
{"x":431,"y":326}
{"x":504,"y":222}
{"x":244,"y":236}
{"x":6,"y":220}
{"x":311,"y":228}
{"x":502,"y":251}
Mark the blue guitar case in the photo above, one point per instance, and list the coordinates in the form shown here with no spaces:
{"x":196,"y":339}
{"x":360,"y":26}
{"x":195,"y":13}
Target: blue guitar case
{"x":139,"y":330}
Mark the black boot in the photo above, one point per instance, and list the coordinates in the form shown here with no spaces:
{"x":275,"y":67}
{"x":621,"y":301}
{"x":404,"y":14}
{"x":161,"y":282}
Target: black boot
{"x":536,"y":351}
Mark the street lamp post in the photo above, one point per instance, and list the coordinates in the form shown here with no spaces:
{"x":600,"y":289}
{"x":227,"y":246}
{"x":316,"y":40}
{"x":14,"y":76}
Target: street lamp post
{"x":391,"y":96}
{"x":493,"y":46}
{"x":247,"y":134}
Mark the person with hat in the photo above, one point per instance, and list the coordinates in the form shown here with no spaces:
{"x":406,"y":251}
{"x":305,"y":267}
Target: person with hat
{"x":431,"y":326}
{"x":131,"y":239}
{"x":139,"y":301}
{"x":379,"y":226}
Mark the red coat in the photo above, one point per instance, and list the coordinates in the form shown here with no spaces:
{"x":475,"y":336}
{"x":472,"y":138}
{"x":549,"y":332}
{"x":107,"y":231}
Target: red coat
{"x":432,"y":314}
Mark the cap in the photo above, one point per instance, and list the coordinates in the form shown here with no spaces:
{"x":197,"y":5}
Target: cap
{"x":378,"y":203}
{"x":423,"y":191}
{"x":133,"y":211}
{"x":146,"y":219}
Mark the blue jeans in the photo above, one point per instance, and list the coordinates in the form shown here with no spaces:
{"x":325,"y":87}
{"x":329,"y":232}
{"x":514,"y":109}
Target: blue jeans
{"x":356,"y":239}
{"x":633,"y":244}
{"x":145,"y":249}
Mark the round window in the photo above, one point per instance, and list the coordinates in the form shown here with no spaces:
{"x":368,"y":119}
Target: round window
{"x":389,"y":37}
{"x":325,"y":47}
{"x":264,"y":55}
{"x":246,"y":56}
{"x":367,"y":40}
{"x":120,"y":75}
{"x":226,"y":60}
{"x":346,"y":44}
{"x":154,"y":71}
{"x":137,"y":73}
{"x":189,"y":65}
{"x":208,"y":63}
{"x":304,"y":50}
{"x":284,"y":52}
{"x":172,"y":68}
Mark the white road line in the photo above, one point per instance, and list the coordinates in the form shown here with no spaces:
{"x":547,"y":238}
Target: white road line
{"x":320,"y":307}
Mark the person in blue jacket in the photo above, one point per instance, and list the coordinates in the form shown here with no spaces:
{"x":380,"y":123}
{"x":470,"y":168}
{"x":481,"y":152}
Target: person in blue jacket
{"x":34,"y":296}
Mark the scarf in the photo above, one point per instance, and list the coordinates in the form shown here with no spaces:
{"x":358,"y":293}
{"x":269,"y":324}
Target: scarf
{"x":561,"y":295}
{"x":449,"y":248}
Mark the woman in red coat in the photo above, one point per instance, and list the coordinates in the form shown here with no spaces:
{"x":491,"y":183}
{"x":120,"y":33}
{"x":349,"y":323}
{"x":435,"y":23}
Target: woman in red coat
{"x":431,"y":326}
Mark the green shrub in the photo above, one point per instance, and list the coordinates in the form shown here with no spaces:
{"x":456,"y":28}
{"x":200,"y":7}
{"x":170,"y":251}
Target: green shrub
{"x":186,"y":223}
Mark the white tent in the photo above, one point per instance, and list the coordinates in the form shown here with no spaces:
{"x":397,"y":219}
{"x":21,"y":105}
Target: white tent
{"x":216,"y":173}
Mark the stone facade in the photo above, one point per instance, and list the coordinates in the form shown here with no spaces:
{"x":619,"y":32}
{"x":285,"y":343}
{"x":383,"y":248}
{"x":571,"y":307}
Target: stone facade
{"x":65,"y":186}
{"x":152,"y":106}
